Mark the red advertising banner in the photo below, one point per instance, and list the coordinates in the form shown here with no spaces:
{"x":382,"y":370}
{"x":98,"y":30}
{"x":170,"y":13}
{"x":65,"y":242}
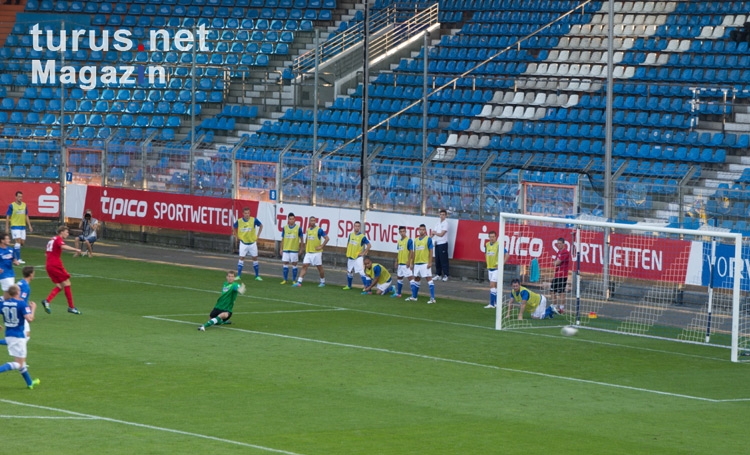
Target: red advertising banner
{"x":42,"y":199}
{"x":166,"y":210}
{"x":634,"y":256}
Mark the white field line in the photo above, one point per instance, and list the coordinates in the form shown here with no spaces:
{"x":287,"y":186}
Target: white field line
{"x":150,"y":427}
{"x":322,"y":310}
{"x":413,"y":318}
{"x":46,"y":417}
{"x":462,"y":362}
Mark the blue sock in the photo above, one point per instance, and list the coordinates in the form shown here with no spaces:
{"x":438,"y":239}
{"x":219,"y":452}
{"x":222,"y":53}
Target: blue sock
{"x":414,"y":289}
{"x":400,"y":284}
{"x":349,"y":278}
{"x":432,"y":290}
{"x":5,"y":367}
{"x":3,"y":342}
{"x":17,"y":251}
{"x":240,"y":264}
{"x":294,"y":273}
{"x":256,"y":267}
{"x":26,"y":376}
{"x":548,"y":313}
{"x":365,"y":280}
{"x":286,"y":272}
{"x":493,"y":296}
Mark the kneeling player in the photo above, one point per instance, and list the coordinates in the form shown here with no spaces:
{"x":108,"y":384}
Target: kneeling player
{"x":380,"y":279}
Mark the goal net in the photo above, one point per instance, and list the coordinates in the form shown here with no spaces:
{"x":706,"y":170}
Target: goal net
{"x":635,"y":279}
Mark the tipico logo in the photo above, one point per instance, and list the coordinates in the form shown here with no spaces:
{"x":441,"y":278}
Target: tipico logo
{"x":47,"y":71}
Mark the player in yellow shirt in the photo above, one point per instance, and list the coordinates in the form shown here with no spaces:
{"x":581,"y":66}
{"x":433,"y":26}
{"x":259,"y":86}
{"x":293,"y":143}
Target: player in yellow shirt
{"x":247,"y":230}
{"x":529,"y":301}
{"x":420,"y":261}
{"x":491,"y":254}
{"x":380,"y":278}
{"x":313,"y":252}
{"x":16,"y":221}
{"x":357,"y":247}
{"x":291,"y":243}
{"x":404,"y":248}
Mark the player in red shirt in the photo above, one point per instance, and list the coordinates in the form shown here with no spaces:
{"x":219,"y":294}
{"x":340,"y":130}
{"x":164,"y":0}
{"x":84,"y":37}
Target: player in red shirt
{"x":57,"y":272}
{"x":560,"y":281}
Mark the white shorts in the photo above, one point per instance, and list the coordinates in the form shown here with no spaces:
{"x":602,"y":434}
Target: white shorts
{"x":422,"y":270}
{"x":26,"y":328}
{"x":358,"y":265}
{"x":18,"y":234}
{"x":403,"y":271}
{"x":541,"y":309}
{"x":315,"y":259}
{"x":289,"y":256}
{"x":16,"y":346}
{"x":385,"y":287}
{"x":492,"y":274}
{"x":249,"y":250}
{"x":6,"y":283}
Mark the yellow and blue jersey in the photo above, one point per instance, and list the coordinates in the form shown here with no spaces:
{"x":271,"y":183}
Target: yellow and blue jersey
{"x":404,"y":247}
{"x":532,"y":298}
{"x":378,"y":272}
{"x":312,"y":239}
{"x":246,"y":229}
{"x":491,"y":251}
{"x":422,"y":250}
{"x":291,"y":238}
{"x":356,"y":245}
{"x":17,"y":213}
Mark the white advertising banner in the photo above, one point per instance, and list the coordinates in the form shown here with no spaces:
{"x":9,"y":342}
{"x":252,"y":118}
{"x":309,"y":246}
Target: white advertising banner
{"x":381,"y":228}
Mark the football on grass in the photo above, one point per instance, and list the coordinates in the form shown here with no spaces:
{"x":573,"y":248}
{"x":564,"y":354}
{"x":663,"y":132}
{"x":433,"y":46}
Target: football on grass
{"x":569,"y":331}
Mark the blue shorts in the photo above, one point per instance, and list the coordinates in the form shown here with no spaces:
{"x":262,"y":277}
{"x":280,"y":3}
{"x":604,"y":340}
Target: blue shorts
{"x":91,"y":239}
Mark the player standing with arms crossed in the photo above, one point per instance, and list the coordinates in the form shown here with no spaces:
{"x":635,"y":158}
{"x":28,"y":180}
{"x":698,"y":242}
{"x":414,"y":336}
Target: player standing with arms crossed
{"x":357,"y":247}
{"x":16,"y":221}
{"x":421,"y":262}
{"x":292,"y":239}
{"x":247,"y":230}
{"x":56,"y":271}
{"x":313,"y":252}
{"x":405,"y":246}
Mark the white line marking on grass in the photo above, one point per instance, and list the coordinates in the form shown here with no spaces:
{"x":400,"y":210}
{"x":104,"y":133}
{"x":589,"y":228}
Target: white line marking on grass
{"x":323,"y":310}
{"x":46,"y":417}
{"x":150,"y":427}
{"x":413,"y":318}
{"x":456,"y":361}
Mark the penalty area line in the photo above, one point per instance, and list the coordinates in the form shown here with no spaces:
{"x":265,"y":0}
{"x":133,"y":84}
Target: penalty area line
{"x":323,"y":310}
{"x":461,"y":362}
{"x":150,"y":427}
{"x":46,"y":417}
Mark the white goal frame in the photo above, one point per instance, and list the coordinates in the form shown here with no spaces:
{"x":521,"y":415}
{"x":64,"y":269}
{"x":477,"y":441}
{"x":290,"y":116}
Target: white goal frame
{"x":736,"y":238}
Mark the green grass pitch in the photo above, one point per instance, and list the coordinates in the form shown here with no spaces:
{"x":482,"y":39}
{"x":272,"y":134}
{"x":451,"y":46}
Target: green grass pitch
{"x":314,"y":371}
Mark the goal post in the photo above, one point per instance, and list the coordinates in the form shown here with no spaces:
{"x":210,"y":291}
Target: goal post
{"x":638,"y":279}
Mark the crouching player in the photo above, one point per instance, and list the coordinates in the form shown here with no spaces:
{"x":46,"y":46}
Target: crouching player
{"x":15,"y":314}
{"x":529,"y":301}
{"x":225,"y":303}
{"x":380,"y":279}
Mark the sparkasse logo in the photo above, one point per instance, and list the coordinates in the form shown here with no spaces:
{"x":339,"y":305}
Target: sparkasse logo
{"x":46,"y":72}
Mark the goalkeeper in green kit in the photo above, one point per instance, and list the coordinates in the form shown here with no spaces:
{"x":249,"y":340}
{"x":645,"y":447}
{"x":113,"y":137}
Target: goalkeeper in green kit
{"x":225,"y":304}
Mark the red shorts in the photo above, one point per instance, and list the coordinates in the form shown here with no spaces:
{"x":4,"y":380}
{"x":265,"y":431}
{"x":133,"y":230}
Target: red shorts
{"x":57,"y":273}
